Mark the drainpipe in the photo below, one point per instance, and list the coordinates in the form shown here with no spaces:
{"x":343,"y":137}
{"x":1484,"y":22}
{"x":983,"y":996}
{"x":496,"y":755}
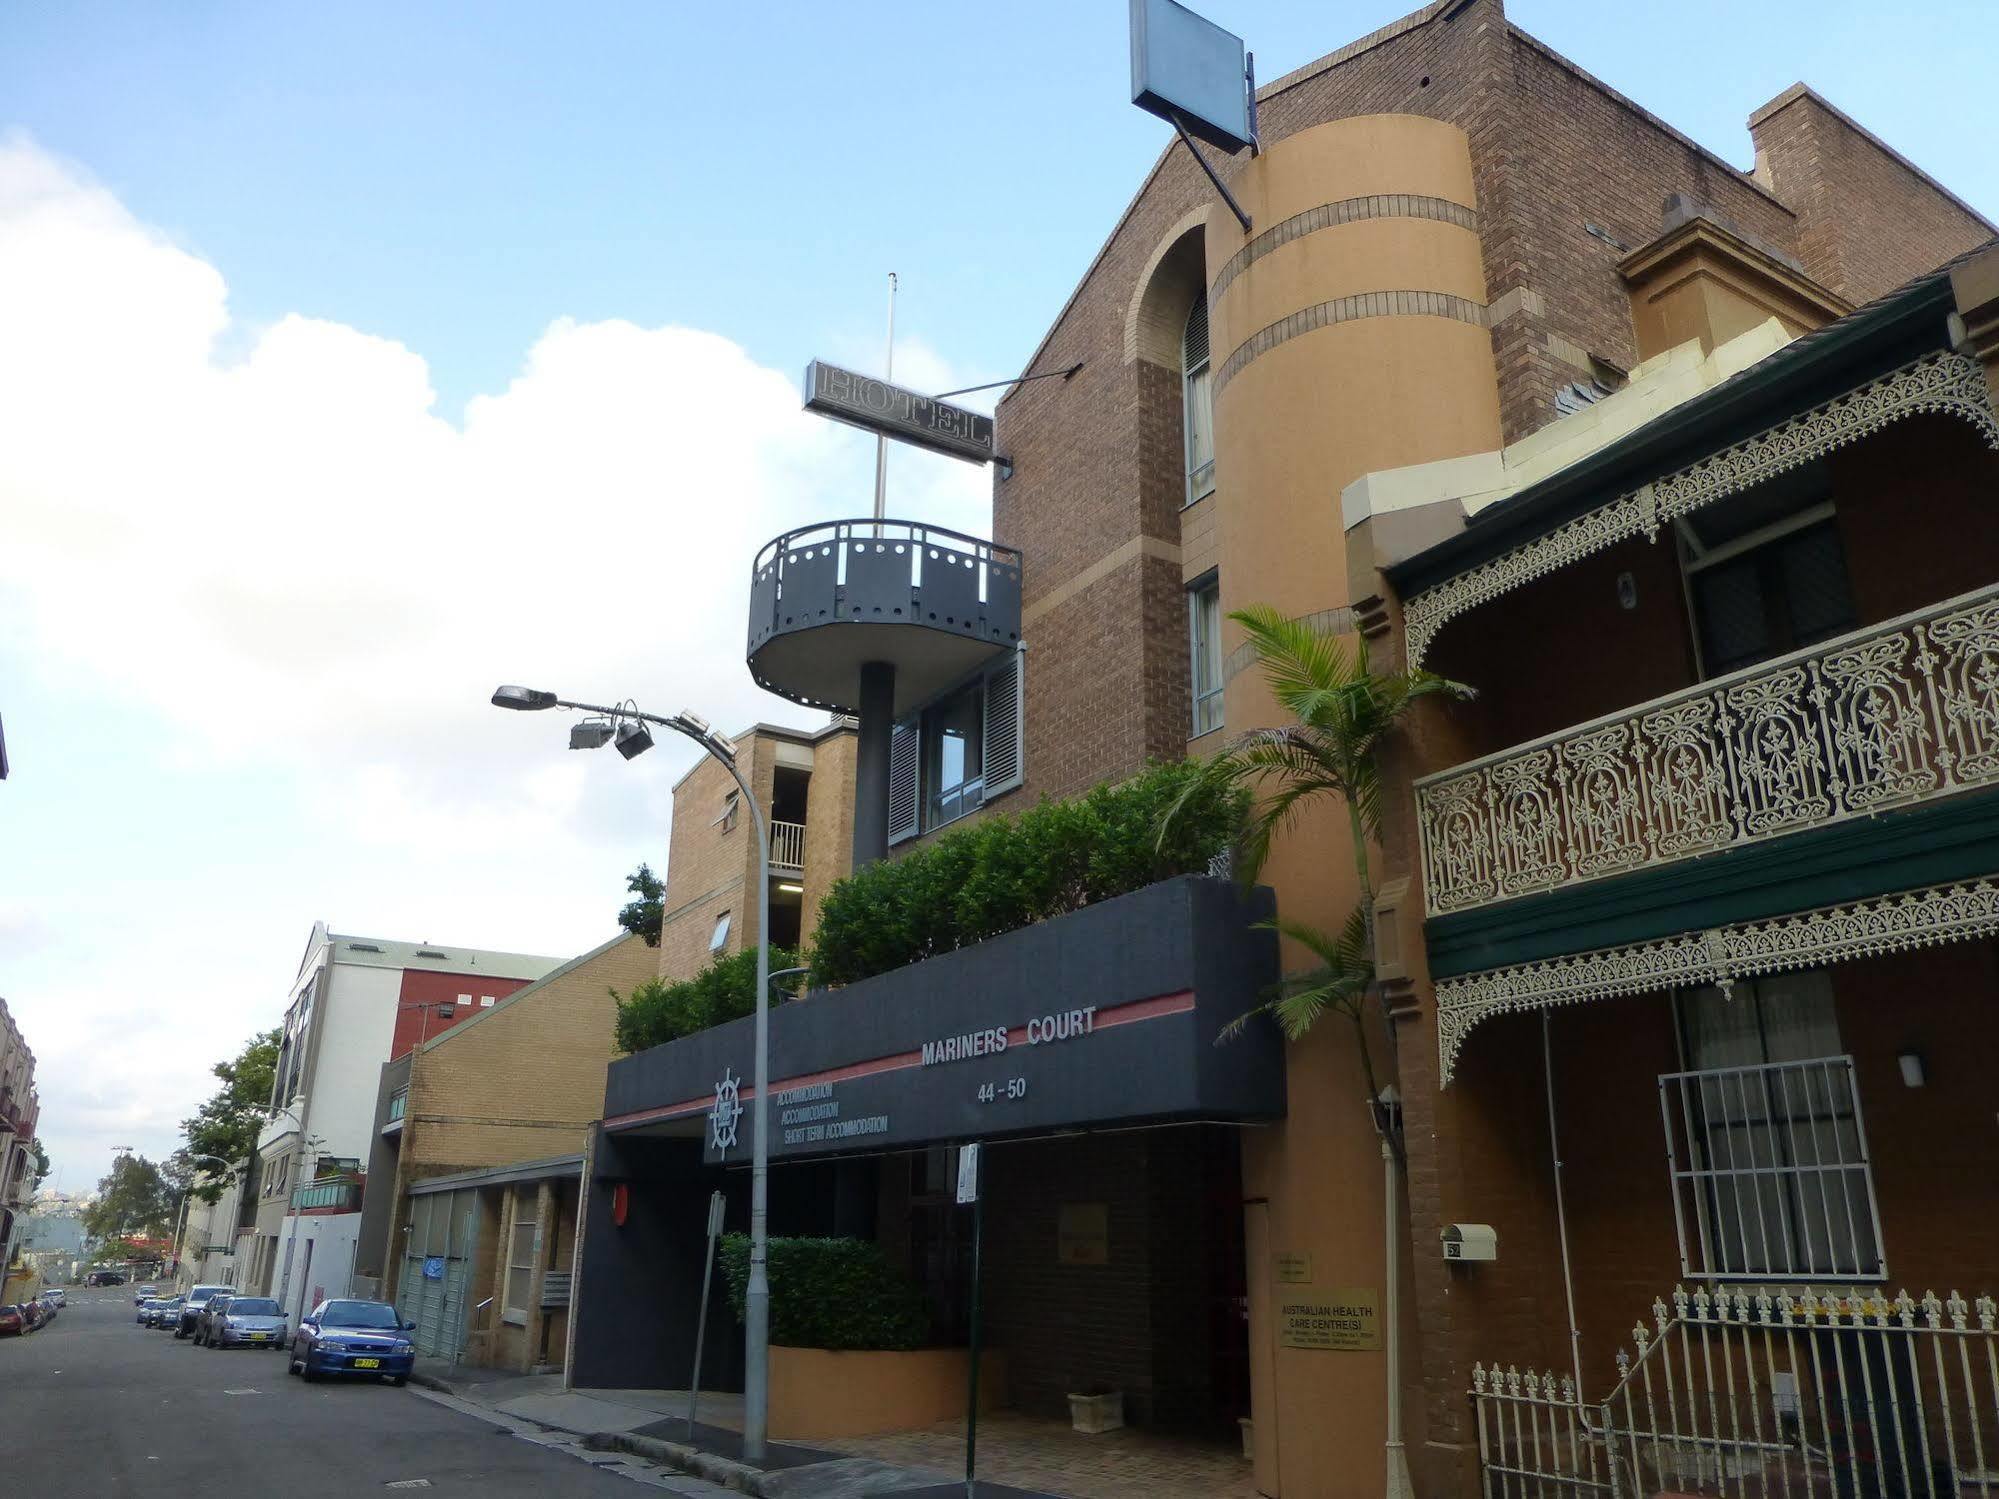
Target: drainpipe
{"x":1561,"y":1211}
{"x":1387,"y":1119}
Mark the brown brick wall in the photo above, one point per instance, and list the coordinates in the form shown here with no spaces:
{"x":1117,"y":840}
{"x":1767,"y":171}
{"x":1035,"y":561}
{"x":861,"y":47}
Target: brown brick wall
{"x":710,"y":870}
{"x":1867,"y":220}
{"x":1139,"y":1323}
{"x":526,"y":1078}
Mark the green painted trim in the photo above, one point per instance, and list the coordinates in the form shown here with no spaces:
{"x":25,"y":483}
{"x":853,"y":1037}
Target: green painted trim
{"x":1935,"y":844}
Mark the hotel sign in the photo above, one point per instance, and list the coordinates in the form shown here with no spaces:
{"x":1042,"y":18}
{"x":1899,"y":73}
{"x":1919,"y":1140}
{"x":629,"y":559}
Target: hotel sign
{"x":891,"y":411}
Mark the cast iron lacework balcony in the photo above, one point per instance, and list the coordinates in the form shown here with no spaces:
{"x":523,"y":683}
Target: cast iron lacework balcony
{"x":826,"y":599}
{"x":1898,"y":713}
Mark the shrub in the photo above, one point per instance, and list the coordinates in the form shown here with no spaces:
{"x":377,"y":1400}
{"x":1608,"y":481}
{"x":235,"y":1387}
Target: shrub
{"x":657,"y":1011}
{"x":1002,"y":873}
{"x":830,"y":1293}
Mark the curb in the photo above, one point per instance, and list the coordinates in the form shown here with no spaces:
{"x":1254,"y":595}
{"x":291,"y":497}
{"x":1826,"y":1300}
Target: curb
{"x":725,"y":1471}
{"x":431,"y":1382}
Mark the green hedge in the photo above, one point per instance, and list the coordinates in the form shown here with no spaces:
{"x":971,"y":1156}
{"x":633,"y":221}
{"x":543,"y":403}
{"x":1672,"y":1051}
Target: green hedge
{"x":831,"y":1293}
{"x":1002,"y":873}
{"x":656,"y":1012}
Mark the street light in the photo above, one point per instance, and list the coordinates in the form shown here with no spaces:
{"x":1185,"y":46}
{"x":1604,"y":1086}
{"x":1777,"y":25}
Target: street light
{"x":625,"y":723}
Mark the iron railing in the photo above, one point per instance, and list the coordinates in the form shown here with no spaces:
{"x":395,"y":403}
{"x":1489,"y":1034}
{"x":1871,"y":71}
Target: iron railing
{"x":1763,"y":1396}
{"x":787,"y":847}
{"x":1901,"y":712}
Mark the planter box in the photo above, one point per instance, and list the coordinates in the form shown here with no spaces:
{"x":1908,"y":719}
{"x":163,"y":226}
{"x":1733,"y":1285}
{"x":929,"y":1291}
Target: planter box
{"x":816,"y":1393}
{"x":1094,"y":1414}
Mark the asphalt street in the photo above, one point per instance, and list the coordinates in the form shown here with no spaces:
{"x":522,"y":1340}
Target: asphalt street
{"x":95,"y":1405}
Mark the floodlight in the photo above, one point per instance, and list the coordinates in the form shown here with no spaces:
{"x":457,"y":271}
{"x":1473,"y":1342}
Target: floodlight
{"x":633,"y":740}
{"x":592,"y":733}
{"x":522,"y":699}
{"x":694,"y":721}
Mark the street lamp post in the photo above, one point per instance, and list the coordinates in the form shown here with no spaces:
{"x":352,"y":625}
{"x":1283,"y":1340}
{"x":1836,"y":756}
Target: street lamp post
{"x":186,"y":1202}
{"x":625,"y":725}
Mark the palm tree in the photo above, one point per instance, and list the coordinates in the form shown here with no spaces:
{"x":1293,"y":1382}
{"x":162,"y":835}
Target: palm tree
{"x":1341,"y":710}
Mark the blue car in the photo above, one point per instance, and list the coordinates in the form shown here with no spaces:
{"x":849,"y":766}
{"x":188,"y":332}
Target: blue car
{"x":368,"y":1338}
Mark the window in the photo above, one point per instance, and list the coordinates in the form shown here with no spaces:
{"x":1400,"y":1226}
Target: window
{"x":958,"y":753}
{"x":1766,"y":573}
{"x":1197,"y":394}
{"x":1764,"y":1138}
{"x":485,"y":1001}
{"x":520,"y":1271}
{"x":719,"y":938}
{"x":952,"y":735}
{"x":726,"y":818}
{"x":1204,"y":652}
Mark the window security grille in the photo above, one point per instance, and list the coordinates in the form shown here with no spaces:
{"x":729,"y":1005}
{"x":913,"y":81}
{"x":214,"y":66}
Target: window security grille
{"x":1770,"y":1172}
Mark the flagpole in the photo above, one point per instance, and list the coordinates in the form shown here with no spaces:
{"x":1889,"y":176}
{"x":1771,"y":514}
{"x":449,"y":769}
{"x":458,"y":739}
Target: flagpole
{"x":881,"y":443}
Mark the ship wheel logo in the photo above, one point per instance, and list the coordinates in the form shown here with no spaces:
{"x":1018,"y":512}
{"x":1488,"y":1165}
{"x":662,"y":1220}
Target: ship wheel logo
{"x":728,"y":1109}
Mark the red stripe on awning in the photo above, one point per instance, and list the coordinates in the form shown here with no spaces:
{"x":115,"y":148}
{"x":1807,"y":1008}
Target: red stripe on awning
{"x":1125,"y":1014}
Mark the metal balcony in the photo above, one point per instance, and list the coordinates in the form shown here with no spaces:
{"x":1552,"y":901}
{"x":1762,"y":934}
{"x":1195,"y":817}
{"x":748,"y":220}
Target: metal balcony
{"x":827,"y":599}
{"x":343,"y":1196}
{"x":1898,"y":713}
{"x":787,"y":848}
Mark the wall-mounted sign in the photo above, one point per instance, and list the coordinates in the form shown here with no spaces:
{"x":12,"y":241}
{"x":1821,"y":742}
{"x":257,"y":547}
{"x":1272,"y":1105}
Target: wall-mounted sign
{"x":1344,"y":1321}
{"x":1083,"y":1234}
{"x":968,"y":1173}
{"x":1186,"y":67}
{"x":877,"y":406}
{"x":433,"y":1268}
{"x":1294,"y":1269}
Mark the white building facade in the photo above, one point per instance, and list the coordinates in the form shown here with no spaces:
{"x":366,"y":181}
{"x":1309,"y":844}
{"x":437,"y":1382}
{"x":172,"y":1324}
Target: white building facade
{"x":343,"y":1020}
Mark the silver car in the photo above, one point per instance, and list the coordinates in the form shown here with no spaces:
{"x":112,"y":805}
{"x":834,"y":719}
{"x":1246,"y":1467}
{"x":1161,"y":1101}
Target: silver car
{"x":160,"y":1311}
{"x":243,"y":1321}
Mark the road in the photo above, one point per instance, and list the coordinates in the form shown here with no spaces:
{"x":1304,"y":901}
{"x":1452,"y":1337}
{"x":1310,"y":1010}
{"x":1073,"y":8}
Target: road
{"x":96,"y":1405}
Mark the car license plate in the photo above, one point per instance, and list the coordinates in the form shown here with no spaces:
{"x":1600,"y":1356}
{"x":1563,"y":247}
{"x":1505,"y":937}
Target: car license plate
{"x":367,"y":1363}
{"x":258,"y":1337}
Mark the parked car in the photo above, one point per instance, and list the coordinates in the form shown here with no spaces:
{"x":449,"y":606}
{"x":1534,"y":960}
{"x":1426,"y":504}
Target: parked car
{"x":104,"y":1278}
{"x":36,"y":1314}
{"x":142,"y":1294}
{"x":13,"y":1322}
{"x":56,"y":1297}
{"x":242,"y":1321}
{"x":210,"y":1309}
{"x":162,"y":1311}
{"x":353,"y":1337}
{"x":48,"y":1303}
{"x":191,"y":1305}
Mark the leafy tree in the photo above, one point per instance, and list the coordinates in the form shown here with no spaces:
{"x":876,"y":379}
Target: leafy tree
{"x":1341,"y":710}
{"x":658,"y":1011}
{"x":42,"y":1167}
{"x":642,"y":916}
{"x":226,"y":1125}
{"x":133,"y":1200}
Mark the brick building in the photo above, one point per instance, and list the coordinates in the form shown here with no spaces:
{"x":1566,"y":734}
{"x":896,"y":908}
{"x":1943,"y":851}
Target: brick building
{"x":1700,"y":1016}
{"x":1470,"y":268}
{"x":804,"y":779}
{"x":478,"y":1144}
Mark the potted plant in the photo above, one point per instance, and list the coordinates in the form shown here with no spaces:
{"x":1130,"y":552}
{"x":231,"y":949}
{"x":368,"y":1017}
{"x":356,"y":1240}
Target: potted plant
{"x":1098,"y":1409}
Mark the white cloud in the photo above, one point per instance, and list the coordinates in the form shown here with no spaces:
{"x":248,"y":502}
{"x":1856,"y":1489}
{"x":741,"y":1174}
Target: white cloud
{"x":292,"y":564}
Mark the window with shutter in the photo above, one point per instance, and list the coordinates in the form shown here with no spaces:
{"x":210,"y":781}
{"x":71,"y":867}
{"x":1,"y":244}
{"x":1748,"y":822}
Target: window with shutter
{"x":1005,"y":722}
{"x":904,"y":752}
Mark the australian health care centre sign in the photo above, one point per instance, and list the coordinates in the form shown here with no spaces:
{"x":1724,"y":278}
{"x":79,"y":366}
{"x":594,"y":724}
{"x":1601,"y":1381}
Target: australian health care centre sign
{"x":889,"y":410}
{"x":1106,"y":1017}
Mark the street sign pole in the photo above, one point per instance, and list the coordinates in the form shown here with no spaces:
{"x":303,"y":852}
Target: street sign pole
{"x":701,"y":1319}
{"x":969,"y":1190}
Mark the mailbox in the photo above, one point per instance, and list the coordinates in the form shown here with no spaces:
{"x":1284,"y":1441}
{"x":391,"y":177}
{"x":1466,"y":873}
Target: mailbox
{"x":1470,"y":1241}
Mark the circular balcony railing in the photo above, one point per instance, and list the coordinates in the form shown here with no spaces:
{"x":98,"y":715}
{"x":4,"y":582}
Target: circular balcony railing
{"x":827,"y":599}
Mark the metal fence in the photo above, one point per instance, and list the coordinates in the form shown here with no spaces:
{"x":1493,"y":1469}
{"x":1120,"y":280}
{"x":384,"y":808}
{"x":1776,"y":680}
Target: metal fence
{"x":1750,"y":1396}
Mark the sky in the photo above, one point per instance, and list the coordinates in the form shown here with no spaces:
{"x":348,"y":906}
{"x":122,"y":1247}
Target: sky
{"x":354,"y":359}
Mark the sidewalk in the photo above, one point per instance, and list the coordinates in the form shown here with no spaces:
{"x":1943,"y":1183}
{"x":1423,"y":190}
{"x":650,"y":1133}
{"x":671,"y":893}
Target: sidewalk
{"x":653,"y":1424}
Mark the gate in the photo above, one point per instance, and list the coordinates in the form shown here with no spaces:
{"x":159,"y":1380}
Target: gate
{"x":1750,"y":1396}
{"x":442,"y":1232}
